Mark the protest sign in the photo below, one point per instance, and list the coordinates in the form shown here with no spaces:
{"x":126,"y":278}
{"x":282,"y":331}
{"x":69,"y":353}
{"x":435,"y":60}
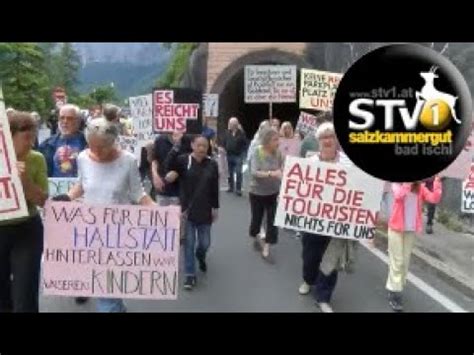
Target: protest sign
{"x":12,"y":198}
{"x":60,"y":186}
{"x":211,"y":105}
{"x":290,"y":146}
{"x":141,"y":112}
{"x":468,"y":193}
{"x":43,"y":134}
{"x":177,"y":110}
{"x":142,"y":117}
{"x":129,"y":144}
{"x":111,"y":251}
{"x":307,"y":124}
{"x":328,"y":199}
{"x":270,"y":83}
{"x":317,"y":89}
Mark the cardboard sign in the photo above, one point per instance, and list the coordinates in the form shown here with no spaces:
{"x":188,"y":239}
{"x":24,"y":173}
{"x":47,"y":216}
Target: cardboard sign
{"x":328,"y":199}
{"x":12,"y":197}
{"x":270,"y":83}
{"x":177,"y":110}
{"x":211,"y":105}
{"x":318,"y":89}
{"x":307,"y":124}
{"x":467,"y":203}
{"x":111,"y":251}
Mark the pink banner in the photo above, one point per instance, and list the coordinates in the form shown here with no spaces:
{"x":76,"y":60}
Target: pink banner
{"x":290,"y":147}
{"x":111,"y":251}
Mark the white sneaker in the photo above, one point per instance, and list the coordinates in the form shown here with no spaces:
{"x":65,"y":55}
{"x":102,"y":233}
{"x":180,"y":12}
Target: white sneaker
{"x":266,"y":250}
{"x":325,"y":307}
{"x":304,"y":289}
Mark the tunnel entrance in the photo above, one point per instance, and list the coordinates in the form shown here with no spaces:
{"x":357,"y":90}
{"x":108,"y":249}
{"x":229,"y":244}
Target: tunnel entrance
{"x":231,"y":102}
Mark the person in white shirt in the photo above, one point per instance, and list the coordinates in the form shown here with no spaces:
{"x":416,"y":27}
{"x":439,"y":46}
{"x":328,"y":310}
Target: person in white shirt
{"x":323,"y":254}
{"x":108,"y":175}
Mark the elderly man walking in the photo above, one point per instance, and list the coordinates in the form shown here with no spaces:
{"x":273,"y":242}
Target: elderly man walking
{"x":235,"y":144}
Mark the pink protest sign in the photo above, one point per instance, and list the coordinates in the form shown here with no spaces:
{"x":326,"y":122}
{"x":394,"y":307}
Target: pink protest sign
{"x":111,"y":251}
{"x":307,"y":123}
{"x":290,"y":146}
{"x":175,"y":109}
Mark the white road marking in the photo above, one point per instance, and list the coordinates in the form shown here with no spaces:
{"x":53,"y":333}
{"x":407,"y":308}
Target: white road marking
{"x":423,"y":286}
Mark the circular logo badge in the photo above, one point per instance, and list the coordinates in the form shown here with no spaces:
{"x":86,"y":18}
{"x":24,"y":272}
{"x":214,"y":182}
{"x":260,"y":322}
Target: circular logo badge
{"x":402,"y":113}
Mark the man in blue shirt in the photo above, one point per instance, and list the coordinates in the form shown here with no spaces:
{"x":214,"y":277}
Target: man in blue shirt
{"x":61,"y":150}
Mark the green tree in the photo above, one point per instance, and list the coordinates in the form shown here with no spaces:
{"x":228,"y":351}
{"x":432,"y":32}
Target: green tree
{"x":84,"y":101}
{"x":178,"y":64}
{"x":68,"y":65}
{"x":23,"y":73}
{"x":103,"y":94}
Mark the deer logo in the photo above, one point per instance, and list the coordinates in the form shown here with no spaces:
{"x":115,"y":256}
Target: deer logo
{"x":429,"y":92}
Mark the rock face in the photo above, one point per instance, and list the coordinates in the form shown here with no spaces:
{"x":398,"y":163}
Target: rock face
{"x":132,"y":67}
{"x":134,"y":53}
{"x":196,"y":75}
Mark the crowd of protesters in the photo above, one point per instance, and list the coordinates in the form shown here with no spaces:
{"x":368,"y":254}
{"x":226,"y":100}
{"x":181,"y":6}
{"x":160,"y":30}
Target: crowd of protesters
{"x":184,"y":170}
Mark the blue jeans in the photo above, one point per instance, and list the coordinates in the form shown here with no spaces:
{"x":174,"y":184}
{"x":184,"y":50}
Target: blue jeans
{"x":203,"y":233}
{"x":110,"y":305}
{"x":235,"y":163}
{"x":324,"y":286}
{"x":314,"y":247}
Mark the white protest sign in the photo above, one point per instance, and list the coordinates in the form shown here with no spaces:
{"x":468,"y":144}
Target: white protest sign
{"x":12,"y":198}
{"x":328,"y":199}
{"x":270,"y":83}
{"x":468,"y":193}
{"x":141,"y":108}
{"x":318,"y":89}
{"x":129,"y":144}
{"x":211,"y":105}
{"x":141,"y":113}
{"x":114,"y":251}
{"x":60,"y":186}
{"x":43,"y":134}
{"x":307,"y":124}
